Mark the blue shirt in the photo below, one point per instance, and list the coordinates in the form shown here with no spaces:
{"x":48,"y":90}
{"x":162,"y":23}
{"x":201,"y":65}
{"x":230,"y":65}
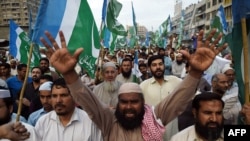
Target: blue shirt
{"x":33,"y":118}
{"x":15,"y":86}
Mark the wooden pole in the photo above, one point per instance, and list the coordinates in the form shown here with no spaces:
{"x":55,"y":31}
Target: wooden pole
{"x":20,"y":103}
{"x":245,"y":51}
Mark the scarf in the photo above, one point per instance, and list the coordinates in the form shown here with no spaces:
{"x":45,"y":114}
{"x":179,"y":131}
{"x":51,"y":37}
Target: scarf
{"x":151,"y":129}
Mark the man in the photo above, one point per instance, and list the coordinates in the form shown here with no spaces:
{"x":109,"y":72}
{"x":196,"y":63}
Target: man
{"x":126,"y":71}
{"x":232,"y":84}
{"x":13,"y":66}
{"x":107,"y":91}
{"x":44,"y":65}
{"x":178,"y":65}
{"x":5,"y":71}
{"x":144,"y":71}
{"x":15,"y":83}
{"x":158,"y":87}
{"x":66,"y":122}
{"x":6,"y":109}
{"x":36,"y":103}
{"x":207,"y":109}
{"x":31,"y":92}
{"x":142,"y":124}
{"x":232,"y":104}
{"x":45,"y":98}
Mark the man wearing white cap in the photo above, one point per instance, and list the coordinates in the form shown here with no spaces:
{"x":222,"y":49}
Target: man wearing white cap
{"x":107,"y":91}
{"x":133,"y":120}
{"x":232,"y":95}
{"x":45,"y":98}
{"x":6,"y":109}
{"x":178,"y":65}
{"x":232,"y":84}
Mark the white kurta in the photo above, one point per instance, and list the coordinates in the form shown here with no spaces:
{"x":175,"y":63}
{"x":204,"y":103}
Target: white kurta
{"x":80,"y":128}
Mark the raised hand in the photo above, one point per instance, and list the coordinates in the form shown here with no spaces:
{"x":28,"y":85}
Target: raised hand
{"x":205,"y":53}
{"x":60,"y":58}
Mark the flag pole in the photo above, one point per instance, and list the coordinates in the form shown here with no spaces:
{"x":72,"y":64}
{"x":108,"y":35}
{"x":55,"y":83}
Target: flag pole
{"x":245,"y":51}
{"x":20,"y":103}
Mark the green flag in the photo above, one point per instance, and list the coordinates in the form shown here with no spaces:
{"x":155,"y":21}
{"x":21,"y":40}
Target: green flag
{"x":240,"y":9}
{"x":20,"y":46}
{"x":113,"y":11}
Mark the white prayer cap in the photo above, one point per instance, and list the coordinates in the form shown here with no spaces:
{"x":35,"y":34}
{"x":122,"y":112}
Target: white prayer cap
{"x":46,"y":86}
{"x":129,"y":87}
{"x":4,"y":93}
{"x":226,"y":68}
{"x":108,"y":64}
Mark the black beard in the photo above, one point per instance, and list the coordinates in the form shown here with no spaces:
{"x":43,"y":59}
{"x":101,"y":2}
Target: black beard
{"x":36,"y":79}
{"x":126,"y":74}
{"x":209,"y":134}
{"x":178,"y":62}
{"x":129,"y":124}
{"x":158,"y":76}
{"x":44,"y":70}
{"x":5,"y":119}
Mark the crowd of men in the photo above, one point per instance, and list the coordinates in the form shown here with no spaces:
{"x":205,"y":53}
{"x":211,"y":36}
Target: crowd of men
{"x":180,"y":95}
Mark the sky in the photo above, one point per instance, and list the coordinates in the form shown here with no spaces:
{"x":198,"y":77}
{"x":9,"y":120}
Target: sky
{"x":150,"y":13}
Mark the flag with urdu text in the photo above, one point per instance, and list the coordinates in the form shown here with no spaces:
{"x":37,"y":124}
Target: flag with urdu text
{"x":20,"y":46}
{"x":113,"y":11}
{"x":75,"y":19}
{"x":240,"y":9}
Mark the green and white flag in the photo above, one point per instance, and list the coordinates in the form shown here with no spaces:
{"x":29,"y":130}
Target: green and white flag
{"x":113,"y":11}
{"x":219,"y":22}
{"x":75,"y":19}
{"x":20,"y":46}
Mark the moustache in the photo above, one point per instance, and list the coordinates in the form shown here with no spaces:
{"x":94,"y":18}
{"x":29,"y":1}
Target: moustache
{"x":212,"y":124}
{"x":59,"y":105}
{"x":129,"y":111}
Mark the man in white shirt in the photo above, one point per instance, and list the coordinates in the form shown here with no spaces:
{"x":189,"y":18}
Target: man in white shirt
{"x":158,"y":87}
{"x":66,"y":122}
{"x":207,"y":109}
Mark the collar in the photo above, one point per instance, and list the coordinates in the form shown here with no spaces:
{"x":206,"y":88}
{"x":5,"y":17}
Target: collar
{"x":75,"y":117}
{"x":153,"y":80}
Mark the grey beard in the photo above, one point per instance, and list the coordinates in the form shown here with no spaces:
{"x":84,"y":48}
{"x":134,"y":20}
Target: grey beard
{"x":110,"y":86}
